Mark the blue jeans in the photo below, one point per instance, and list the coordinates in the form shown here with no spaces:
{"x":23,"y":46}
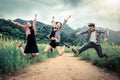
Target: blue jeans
{"x":97,"y":47}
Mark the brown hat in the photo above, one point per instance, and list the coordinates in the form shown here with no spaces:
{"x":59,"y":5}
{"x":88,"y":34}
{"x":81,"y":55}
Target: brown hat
{"x":91,"y":24}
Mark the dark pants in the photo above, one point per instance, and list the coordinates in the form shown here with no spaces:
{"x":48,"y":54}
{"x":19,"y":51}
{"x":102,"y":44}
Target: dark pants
{"x":97,"y":47}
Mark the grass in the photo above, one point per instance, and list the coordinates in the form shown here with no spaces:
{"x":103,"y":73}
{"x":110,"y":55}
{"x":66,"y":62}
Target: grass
{"x":111,"y":64}
{"x":11,"y":59}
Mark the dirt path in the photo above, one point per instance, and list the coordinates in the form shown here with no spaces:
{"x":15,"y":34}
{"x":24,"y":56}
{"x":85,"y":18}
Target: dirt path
{"x":64,"y":67}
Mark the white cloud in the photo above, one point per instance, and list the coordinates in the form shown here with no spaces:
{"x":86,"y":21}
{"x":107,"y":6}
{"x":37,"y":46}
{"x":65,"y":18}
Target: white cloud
{"x":100,"y":12}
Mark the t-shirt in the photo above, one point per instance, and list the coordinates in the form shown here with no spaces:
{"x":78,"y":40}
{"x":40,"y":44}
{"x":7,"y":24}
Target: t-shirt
{"x":93,"y":37}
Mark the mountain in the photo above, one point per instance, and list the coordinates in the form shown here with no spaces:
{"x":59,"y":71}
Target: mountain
{"x":68,"y":35}
{"x":67,"y":29}
{"x":114,"y":36}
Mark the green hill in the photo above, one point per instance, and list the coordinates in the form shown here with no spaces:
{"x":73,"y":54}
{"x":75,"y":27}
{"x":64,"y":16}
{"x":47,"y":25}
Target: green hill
{"x":68,"y":35}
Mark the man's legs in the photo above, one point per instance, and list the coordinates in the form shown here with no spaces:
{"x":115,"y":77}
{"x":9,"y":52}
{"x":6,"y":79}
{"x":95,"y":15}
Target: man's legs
{"x":100,"y":52}
{"x":87,"y":46}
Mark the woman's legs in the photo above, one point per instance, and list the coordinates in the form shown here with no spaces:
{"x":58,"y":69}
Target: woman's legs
{"x":34,"y":55}
{"x":60,"y":51}
{"x":24,"y":54}
{"x":21,"y":48}
{"x":47,"y":48}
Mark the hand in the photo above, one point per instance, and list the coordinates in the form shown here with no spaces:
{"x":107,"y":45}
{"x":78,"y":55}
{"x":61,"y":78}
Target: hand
{"x":13,"y":22}
{"x":53,"y":17}
{"x":69,"y":17}
{"x":65,"y":20}
{"x":78,"y":33}
{"x":52,"y":38}
{"x":35,"y":16}
{"x":105,"y":40}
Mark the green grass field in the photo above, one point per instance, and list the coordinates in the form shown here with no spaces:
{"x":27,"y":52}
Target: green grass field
{"x":111,"y":64}
{"x":11,"y":59}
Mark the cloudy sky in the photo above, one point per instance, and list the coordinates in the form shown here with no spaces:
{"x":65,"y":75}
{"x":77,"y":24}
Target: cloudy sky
{"x":104,"y":13}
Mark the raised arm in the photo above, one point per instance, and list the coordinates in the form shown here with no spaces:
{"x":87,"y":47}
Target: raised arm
{"x":18,"y":24}
{"x":34,"y":21}
{"x":66,"y":20}
{"x":53,"y":21}
{"x":81,"y":32}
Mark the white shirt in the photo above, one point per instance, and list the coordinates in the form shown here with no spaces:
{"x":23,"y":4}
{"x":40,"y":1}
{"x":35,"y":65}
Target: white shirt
{"x":93,"y":37}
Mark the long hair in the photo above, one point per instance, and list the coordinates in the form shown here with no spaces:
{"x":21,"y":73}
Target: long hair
{"x":30,"y":23}
{"x":58,"y":22}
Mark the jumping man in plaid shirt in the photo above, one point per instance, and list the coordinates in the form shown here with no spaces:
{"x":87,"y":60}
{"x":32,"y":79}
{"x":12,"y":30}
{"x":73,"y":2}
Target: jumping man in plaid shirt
{"x":93,"y":39}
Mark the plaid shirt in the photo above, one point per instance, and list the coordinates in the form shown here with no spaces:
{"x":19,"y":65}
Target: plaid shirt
{"x":98,"y":33}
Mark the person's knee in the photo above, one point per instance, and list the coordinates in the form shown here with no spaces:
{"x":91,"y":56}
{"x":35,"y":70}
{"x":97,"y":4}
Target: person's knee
{"x":44,"y":51}
{"x":24,"y":54}
{"x":60,"y":54}
{"x":37,"y":54}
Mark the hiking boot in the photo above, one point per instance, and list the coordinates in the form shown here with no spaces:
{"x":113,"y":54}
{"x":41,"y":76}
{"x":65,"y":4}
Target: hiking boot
{"x":66,"y":45}
{"x":19,"y":44}
{"x":76,"y":52}
{"x":106,"y":56}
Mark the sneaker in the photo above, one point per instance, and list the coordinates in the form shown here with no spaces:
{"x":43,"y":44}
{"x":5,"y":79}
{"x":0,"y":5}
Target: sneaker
{"x":106,"y":56}
{"x":76,"y":52}
{"x":66,"y":45}
{"x":19,"y":44}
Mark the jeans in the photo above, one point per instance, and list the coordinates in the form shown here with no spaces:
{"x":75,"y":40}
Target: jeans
{"x":97,"y":47}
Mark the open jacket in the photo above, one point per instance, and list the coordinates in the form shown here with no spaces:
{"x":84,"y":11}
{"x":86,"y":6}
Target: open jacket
{"x":26,"y":28}
{"x":98,"y":33}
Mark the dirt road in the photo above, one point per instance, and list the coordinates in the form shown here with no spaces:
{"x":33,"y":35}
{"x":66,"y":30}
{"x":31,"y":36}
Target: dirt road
{"x":64,"y":67}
